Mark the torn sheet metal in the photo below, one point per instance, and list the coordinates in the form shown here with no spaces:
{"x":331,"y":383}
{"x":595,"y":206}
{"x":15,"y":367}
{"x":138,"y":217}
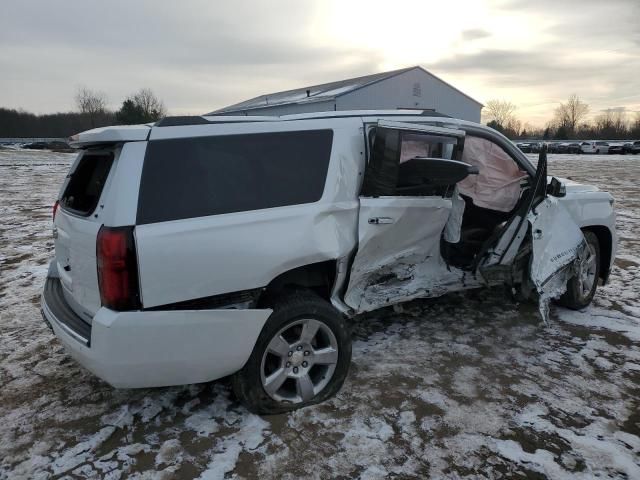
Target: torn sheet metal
{"x":557,"y":244}
{"x":398,"y":256}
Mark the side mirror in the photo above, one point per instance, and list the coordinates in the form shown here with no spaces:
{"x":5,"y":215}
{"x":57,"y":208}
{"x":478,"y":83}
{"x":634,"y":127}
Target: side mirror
{"x":556,"y":188}
{"x":433,"y":172}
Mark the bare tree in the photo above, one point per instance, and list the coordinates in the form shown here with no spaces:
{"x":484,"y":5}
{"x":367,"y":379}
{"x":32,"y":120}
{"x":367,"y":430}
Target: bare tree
{"x":500,"y":111}
{"x":513,"y":127}
{"x":568,"y":115}
{"x":91,"y":103}
{"x":634,"y":129}
{"x":151,"y":106}
{"x":612,"y":123}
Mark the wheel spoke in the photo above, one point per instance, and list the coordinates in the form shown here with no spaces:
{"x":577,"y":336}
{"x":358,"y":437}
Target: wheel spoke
{"x":274,"y":381}
{"x":304,"y":385}
{"x":585,"y":287}
{"x":279,"y":346}
{"x":309,"y":330}
{"x":325,"y":356}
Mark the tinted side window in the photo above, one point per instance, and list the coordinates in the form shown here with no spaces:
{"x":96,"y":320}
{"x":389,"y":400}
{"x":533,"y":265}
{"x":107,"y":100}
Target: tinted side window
{"x":196,"y":177}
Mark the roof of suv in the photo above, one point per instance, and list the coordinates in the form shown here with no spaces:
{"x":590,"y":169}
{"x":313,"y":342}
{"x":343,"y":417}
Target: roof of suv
{"x":204,"y":119}
{"x":124,"y":133}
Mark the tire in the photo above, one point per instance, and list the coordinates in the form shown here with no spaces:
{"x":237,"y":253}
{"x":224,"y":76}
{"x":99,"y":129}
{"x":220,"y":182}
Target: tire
{"x":582,"y":288}
{"x":296,"y":368}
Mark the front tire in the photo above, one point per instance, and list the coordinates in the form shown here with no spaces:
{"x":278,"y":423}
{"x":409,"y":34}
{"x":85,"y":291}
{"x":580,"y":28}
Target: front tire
{"x":301,"y":358}
{"x":582,"y":287}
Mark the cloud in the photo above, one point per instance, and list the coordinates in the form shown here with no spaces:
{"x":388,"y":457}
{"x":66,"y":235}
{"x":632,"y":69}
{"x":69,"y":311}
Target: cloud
{"x":588,"y":47}
{"x":547,"y":77}
{"x":474,"y":34}
{"x":202,"y":55}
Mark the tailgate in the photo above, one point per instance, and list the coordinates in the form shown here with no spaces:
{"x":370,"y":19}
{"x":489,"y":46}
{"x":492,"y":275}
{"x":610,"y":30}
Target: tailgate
{"x":76,"y":227}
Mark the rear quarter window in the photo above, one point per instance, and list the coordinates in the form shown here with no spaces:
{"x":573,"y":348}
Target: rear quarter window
{"x":86,"y":182}
{"x":202,"y":176}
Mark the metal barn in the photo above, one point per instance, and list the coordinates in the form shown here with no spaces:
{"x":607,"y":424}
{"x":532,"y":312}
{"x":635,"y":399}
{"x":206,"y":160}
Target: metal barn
{"x":407,"y":88}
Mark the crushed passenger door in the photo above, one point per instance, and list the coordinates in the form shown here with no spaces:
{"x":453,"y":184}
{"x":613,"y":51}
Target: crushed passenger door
{"x":557,"y":243}
{"x":398,"y":256}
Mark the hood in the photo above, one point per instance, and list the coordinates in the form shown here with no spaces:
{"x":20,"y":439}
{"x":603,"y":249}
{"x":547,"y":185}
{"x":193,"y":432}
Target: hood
{"x":574,"y":187}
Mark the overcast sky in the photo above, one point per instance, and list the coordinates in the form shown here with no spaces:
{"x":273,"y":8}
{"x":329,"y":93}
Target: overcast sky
{"x":202,"y":55}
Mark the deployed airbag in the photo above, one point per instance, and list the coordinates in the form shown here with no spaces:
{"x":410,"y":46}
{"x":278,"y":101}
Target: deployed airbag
{"x":497,"y":186}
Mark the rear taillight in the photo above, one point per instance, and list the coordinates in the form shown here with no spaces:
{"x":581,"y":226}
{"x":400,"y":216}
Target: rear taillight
{"x":117,"y":268}
{"x":55,"y":209}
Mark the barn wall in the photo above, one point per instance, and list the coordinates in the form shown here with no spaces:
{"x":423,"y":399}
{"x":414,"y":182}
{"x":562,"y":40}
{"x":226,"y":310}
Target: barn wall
{"x":402,"y":91}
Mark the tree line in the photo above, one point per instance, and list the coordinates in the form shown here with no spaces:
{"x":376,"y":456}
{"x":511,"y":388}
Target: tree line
{"x":91,"y":112}
{"x":570,"y":121}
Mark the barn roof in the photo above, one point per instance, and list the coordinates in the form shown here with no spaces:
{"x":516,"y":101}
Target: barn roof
{"x":321,"y":93}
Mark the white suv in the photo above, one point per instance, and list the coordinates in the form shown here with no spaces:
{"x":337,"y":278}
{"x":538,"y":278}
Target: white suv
{"x":201,"y":247}
{"x":594,"y":147}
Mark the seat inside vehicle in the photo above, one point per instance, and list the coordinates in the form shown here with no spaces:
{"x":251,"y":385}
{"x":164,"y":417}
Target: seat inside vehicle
{"x":490,"y":199}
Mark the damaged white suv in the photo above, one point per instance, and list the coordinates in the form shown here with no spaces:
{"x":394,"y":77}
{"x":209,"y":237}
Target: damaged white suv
{"x":201,"y":247}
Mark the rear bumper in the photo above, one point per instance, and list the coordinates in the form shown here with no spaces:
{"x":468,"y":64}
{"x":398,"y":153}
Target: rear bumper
{"x":155,"y":348}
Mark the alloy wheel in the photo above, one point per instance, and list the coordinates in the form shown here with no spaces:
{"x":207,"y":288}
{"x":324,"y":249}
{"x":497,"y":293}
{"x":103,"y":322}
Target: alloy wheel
{"x":299,"y":361}
{"x":587,"y":272}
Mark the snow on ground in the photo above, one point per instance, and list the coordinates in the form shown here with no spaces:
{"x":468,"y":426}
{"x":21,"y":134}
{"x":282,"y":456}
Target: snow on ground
{"x":465,"y":386}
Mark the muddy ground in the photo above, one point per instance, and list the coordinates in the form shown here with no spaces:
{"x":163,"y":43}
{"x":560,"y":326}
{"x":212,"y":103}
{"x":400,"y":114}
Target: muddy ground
{"x":466,"y":386}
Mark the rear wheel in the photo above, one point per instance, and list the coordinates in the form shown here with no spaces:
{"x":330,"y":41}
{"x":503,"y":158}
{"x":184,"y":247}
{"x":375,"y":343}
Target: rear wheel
{"x":582,"y":287}
{"x":302,"y":356}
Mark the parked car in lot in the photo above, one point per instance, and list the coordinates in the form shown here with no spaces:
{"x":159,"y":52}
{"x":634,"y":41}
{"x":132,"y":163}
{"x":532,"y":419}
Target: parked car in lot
{"x":594,"y":147}
{"x":35,"y":146}
{"x":574,"y":148}
{"x":524,"y":147}
{"x":55,"y":145}
{"x":617,"y":149}
{"x":529,"y":147}
{"x":202,"y":247}
{"x":553,"y":147}
{"x":59,"y":146}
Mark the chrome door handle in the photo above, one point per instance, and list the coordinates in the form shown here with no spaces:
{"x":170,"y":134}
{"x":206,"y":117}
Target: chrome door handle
{"x":380,"y":220}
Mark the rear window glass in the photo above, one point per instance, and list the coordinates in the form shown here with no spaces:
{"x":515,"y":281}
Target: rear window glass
{"x":86,"y":183}
{"x":196,"y":177}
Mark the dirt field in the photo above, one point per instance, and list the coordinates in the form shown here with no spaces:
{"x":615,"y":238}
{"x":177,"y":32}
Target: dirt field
{"x":467,"y":386}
